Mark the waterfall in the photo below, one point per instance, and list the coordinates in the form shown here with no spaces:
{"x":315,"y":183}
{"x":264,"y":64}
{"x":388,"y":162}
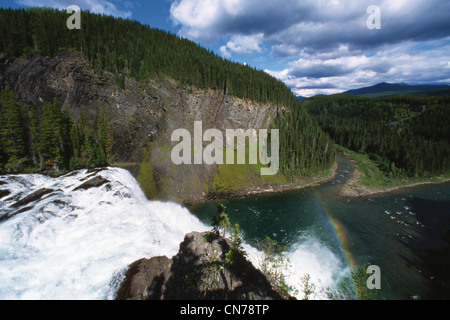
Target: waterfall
{"x":76,"y":244}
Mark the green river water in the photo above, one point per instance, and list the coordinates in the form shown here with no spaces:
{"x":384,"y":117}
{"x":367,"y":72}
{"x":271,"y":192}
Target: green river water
{"x":406,"y":233}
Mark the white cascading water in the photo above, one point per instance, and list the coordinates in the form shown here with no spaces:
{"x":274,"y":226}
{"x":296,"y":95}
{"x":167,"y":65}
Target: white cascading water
{"x":308,"y":257}
{"x":74,"y":248}
{"x":73,"y":245}
{"x":318,"y":261}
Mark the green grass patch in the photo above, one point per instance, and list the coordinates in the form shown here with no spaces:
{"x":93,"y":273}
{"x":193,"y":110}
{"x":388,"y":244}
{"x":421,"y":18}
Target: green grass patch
{"x":145,"y":175}
{"x":231,"y":178}
{"x":234,"y":177}
{"x":374,"y":178}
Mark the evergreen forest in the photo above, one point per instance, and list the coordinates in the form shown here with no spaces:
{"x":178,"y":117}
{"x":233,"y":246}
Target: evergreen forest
{"x":126,"y":47}
{"x":129,"y":49}
{"x":405,"y":136}
{"x":50,"y":142}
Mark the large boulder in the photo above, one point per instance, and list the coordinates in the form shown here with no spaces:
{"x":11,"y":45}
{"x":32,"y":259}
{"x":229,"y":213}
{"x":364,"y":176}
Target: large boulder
{"x":144,"y":279}
{"x":198,"y":272}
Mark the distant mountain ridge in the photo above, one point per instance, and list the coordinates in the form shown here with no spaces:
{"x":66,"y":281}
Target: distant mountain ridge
{"x":389,"y":89}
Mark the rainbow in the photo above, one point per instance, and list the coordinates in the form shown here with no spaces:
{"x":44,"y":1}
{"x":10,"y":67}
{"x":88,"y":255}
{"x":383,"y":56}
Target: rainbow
{"x":338,"y":230}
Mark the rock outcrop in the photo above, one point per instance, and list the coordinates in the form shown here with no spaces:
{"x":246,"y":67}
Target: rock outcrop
{"x":92,"y":183}
{"x":143,"y":116}
{"x":32,"y":197}
{"x":143,"y":111}
{"x":4,"y":193}
{"x":198,"y":272}
{"x":145,"y":279}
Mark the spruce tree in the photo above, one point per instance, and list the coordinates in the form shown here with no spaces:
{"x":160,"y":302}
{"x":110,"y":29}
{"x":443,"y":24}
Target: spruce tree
{"x":13,"y":130}
{"x":104,"y":132}
{"x":48,"y":143}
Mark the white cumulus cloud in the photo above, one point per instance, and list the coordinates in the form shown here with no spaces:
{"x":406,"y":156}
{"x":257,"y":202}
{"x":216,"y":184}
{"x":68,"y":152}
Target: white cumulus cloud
{"x":96,"y":6}
{"x":246,"y":45}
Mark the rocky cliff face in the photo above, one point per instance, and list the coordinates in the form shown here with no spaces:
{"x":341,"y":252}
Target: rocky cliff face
{"x":143,"y":111}
{"x":143,"y":115}
{"x":197,"y":272}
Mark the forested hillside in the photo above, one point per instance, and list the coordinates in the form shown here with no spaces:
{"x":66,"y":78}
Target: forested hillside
{"x":51,"y":141}
{"x":405,"y":136}
{"x":383,"y":90}
{"x":127,"y":49}
{"x":305,"y":148}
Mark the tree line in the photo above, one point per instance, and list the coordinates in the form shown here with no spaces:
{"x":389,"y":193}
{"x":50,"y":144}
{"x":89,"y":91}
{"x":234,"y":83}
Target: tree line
{"x":126,"y":47}
{"x":51,"y":141}
{"x":305,"y":148}
{"x":405,"y":136}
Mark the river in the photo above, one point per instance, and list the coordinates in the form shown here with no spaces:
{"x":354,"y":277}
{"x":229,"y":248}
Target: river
{"x":70,"y":243}
{"x":405,"y":232}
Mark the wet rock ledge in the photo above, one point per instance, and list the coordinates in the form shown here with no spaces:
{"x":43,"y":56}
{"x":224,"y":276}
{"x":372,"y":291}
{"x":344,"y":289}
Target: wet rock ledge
{"x":198,"y":272}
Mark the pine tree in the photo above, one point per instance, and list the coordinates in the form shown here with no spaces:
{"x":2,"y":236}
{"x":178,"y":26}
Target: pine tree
{"x":65,"y":139}
{"x":55,"y":141}
{"x":35,"y":136}
{"x":104,"y":132}
{"x":48,"y":144}
{"x":13,"y":133}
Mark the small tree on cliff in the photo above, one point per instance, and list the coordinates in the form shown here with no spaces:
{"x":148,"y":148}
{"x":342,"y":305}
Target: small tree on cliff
{"x":221,"y":221}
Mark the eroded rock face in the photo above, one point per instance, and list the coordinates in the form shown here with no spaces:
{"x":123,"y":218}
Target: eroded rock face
{"x":145,"y":278}
{"x":143,"y":116}
{"x":198,"y":272}
{"x":143,"y":111}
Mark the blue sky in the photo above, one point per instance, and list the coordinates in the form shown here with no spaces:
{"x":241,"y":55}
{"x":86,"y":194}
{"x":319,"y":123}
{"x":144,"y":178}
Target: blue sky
{"x":314,"y":46}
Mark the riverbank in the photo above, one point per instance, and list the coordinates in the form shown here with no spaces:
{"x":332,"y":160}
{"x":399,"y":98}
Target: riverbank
{"x":354,"y":188}
{"x":309,"y":182}
{"x":367,"y":180}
